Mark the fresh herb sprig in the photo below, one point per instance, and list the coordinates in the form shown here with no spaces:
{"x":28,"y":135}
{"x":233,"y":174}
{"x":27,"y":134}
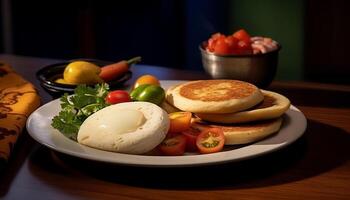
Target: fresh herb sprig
{"x":77,"y":107}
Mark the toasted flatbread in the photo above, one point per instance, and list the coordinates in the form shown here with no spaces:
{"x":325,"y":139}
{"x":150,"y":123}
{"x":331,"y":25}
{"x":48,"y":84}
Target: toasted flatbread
{"x":243,"y":133}
{"x":214,"y":96}
{"x":273,"y":106}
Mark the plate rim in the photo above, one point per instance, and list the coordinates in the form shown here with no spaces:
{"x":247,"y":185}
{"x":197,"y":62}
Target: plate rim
{"x":171,"y":161}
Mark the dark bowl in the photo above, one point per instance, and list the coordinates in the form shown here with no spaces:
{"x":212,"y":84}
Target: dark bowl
{"x":48,"y":74}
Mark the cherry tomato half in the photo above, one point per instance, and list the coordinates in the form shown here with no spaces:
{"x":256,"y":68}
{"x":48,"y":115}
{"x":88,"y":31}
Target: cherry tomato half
{"x":191,"y":135}
{"x":173,"y":145}
{"x":211,"y":140}
{"x":146,"y":79}
{"x":179,"y":121}
{"x":118,"y":96}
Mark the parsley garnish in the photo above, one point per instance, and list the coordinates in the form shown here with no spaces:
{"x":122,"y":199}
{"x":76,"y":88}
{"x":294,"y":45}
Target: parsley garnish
{"x":76,"y":108}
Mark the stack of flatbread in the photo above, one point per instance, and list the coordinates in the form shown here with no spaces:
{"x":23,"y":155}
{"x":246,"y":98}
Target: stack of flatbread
{"x":244,"y":112}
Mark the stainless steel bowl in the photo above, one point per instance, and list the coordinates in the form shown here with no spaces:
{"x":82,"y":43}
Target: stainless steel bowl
{"x":259,"y":69}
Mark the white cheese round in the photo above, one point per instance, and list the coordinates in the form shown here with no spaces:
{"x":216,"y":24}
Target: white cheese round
{"x":132,"y":127}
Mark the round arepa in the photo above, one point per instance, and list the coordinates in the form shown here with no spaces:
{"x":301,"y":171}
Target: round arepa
{"x":243,"y":133}
{"x":273,"y":106}
{"x":214,"y":96}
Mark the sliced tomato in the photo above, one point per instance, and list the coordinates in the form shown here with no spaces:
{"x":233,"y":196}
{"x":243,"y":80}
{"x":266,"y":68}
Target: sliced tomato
{"x":173,"y":145}
{"x":242,"y":35}
{"x":210,"y":140}
{"x":179,"y":121}
{"x":191,"y":138}
{"x":118,"y":96}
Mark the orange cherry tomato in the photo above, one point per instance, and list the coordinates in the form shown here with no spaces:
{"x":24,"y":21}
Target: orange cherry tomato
{"x":146,"y":79}
{"x":179,"y":121}
{"x":191,"y":138}
{"x":173,"y":145}
{"x":210,"y":140}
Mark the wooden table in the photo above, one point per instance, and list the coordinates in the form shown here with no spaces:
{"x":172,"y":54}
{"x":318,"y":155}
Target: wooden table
{"x":316,"y":166}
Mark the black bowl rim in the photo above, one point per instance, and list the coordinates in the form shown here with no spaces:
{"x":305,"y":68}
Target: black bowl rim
{"x":203,"y":44}
{"x":45,"y":82}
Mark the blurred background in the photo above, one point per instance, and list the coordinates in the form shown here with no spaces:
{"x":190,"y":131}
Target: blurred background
{"x":313,"y":34}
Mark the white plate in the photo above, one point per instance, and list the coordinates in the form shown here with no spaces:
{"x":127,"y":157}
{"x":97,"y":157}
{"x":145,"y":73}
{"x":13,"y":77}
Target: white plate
{"x":38,"y":126}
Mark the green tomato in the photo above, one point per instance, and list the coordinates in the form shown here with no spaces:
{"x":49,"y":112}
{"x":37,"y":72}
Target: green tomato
{"x":150,"y":93}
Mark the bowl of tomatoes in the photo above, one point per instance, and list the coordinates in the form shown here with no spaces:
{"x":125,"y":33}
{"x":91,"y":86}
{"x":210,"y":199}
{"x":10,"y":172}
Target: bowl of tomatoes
{"x":240,"y":56}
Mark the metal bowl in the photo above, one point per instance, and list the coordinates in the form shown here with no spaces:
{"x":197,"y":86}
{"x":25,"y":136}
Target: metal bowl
{"x":259,"y":69}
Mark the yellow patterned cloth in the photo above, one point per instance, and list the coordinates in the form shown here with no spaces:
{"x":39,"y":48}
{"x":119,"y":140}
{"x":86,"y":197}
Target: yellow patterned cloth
{"x":18,"y":99}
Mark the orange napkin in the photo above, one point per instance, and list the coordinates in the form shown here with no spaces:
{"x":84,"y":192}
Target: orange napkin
{"x":18,"y":98}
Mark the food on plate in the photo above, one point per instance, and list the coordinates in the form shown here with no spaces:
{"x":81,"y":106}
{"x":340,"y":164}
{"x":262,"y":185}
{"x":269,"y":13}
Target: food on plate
{"x":252,"y":124}
{"x":132,"y":127}
{"x":214,"y":96}
{"x":173,"y":145}
{"x":202,"y":117}
{"x":191,"y":135}
{"x":146,"y":79}
{"x":84,"y":72}
{"x":150,"y":93}
{"x":81,"y":72}
{"x":243,"y":133}
{"x":76,"y":108}
{"x":240,"y":43}
{"x":168,"y":107}
{"x":211,"y":140}
{"x":274,"y":105}
{"x":116,"y":70}
{"x":179,"y":121}
{"x":118,"y":96}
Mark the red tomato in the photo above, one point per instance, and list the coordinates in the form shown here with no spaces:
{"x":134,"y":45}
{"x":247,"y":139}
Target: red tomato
{"x":118,"y":96}
{"x":179,"y":121}
{"x":243,"y":48}
{"x":211,"y":140}
{"x":222,"y":47}
{"x":173,"y":145}
{"x":191,"y":138}
{"x":213,"y":40}
{"x":242,"y":35}
{"x":217,"y":35}
{"x":231,"y":41}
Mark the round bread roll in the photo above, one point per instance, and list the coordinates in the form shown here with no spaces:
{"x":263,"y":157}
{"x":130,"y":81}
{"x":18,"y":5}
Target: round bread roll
{"x":273,"y":106}
{"x":244,"y":133}
{"x":214,"y":96}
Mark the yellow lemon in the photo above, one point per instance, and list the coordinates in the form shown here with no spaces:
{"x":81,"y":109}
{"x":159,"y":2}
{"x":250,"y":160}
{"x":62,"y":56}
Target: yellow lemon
{"x":82,"y":72}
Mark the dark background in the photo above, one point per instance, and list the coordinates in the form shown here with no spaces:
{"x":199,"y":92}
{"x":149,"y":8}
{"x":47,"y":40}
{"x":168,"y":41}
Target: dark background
{"x":313,"y":33}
